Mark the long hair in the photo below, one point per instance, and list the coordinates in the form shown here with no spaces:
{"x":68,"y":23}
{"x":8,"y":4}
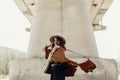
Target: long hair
{"x":61,"y":43}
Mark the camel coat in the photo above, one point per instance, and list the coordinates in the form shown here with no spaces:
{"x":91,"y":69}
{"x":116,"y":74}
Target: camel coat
{"x":59,"y":56}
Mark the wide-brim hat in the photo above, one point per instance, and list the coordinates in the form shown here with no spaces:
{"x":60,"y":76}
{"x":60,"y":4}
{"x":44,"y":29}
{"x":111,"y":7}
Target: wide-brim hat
{"x":57,"y":36}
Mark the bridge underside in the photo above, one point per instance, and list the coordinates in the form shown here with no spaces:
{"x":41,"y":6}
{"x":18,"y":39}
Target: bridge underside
{"x":97,"y":10}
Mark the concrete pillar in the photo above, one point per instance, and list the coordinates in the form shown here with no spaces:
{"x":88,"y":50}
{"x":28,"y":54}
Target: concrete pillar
{"x":69,"y":18}
{"x":77,"y":27}
{"x":46,"y":22}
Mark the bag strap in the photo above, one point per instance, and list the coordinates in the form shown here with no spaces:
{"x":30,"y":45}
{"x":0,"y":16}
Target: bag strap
{"x":77,"y":53}
{"x":81,"y":55}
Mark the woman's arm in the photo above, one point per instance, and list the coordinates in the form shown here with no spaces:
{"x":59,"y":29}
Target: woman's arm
{"x":71,"y":62}
{"x":47,"y":51}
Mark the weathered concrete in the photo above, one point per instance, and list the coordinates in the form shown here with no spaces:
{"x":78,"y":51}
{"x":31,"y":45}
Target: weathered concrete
{"x":33,"y":69}
{"x":71,"y":19}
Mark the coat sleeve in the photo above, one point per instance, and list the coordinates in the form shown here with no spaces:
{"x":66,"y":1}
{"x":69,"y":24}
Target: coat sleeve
{"x":71,"y":62}
{"x":62,"y":52}
{"x":47,"y":51}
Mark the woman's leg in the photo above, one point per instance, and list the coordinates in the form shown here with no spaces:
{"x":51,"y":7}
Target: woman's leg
{"x":57,"y":73}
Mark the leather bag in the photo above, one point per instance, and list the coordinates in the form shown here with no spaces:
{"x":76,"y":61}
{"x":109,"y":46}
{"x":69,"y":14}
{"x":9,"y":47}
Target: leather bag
{"x":87,"y":66}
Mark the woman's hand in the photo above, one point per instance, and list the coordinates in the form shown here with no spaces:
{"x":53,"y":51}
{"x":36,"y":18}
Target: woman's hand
{"x":46,"y":47}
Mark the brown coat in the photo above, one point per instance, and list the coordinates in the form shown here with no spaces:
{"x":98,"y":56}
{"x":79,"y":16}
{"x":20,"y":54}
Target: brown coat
{"x":59,"y":56}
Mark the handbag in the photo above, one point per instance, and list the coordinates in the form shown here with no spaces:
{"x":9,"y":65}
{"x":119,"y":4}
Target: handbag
{"x":87,"y":66}
{"x":69,"y":70}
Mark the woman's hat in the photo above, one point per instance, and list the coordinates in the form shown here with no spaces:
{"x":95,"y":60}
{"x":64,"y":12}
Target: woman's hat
{"x":57,"y":36}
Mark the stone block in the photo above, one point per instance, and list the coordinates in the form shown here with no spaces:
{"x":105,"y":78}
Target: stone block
{"x":33,"y":69}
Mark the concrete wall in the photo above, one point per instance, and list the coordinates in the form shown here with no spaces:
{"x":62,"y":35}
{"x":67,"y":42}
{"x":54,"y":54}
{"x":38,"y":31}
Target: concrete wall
{"x":33,"y":69}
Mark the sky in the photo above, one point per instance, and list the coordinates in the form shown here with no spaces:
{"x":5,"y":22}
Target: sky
{"x":13,"y":34}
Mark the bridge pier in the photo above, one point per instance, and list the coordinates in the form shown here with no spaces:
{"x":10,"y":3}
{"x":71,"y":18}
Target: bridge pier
{"x":70,"y":19}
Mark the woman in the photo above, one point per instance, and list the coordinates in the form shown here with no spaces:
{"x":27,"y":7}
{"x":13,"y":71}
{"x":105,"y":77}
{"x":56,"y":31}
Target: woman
{"x":57,"y":57}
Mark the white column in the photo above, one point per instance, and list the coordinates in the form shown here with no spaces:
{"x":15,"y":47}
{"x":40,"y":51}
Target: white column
{"x":69,"y":18}
{"x":46,"y":22}
{"x":77,"y":27}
